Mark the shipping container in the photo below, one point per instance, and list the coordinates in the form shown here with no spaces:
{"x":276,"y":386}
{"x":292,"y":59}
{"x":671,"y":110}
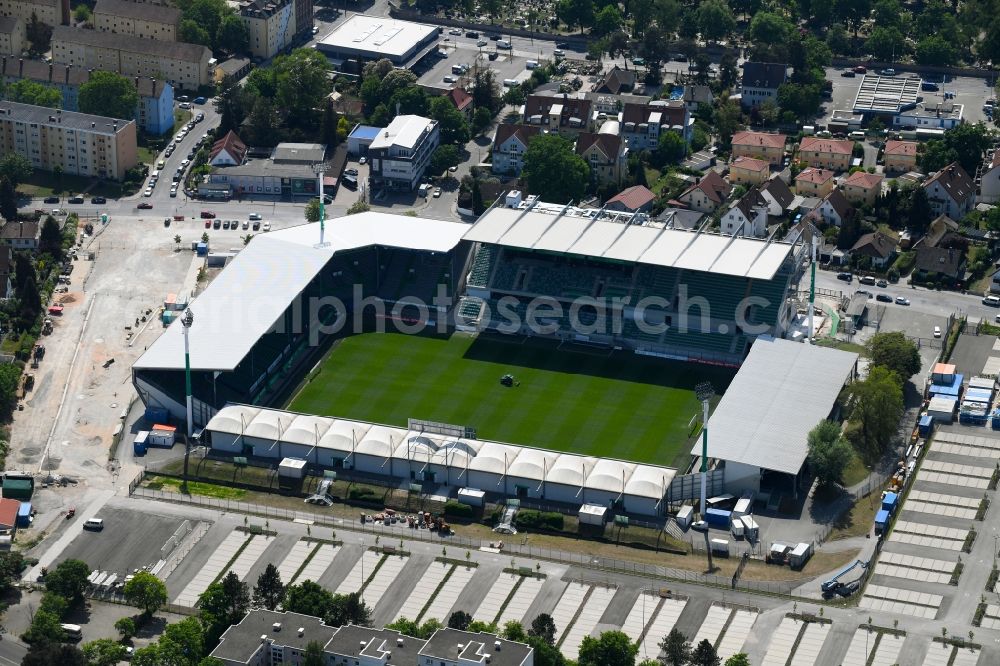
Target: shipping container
{"x":736,"y":527}
{"x":881,"y":521}
{"x":800,"y":555}
{"x":202,"y":249}
{"x":718,"y":518}
{"x":890,"y":501}
{"x":471,"y":496}
{"x":592,"y":514}
{"x":751,"y":531}
{"x":157,"y":415}
{"x":720,"y":547}
{"x":926,"y":425}
{"x":743,"y":506}
{"x":684,"y":516}
{"x":292,"y":468}
{"x":24,"y":515}
{"x":161,"y":436}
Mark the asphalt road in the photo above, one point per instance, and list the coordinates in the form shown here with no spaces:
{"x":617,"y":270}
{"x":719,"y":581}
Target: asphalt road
{"x":130,"y":539}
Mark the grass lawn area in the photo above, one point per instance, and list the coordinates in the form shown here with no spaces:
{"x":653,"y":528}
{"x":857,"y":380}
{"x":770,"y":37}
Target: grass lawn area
{"x":197,"y":488}
{"x":590,"y":402}
{"x":181,"y":118}
{"x":44,"y":184}
{"x":147,"y":155}
{"x":841,"y":345}
{"x":859,"y":519}
{"x":856,"y":471}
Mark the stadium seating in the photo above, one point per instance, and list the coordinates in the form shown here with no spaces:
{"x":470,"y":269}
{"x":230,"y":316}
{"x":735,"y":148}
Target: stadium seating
{"x":656,"y":281}
{"x":723,"y":293}
{"x":698,"y":341}
{"x":774,"y":292}
{"x":482,"y":266}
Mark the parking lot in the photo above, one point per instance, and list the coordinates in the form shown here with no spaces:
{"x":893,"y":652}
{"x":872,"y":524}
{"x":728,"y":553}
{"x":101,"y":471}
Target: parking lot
{"x":436,"y":72}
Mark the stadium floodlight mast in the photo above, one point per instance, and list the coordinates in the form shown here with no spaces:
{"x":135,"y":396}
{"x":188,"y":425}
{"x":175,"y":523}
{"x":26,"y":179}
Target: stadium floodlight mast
{"x":319,"y":169}
{"x":186,"y":321}
{"x":704,"y":391}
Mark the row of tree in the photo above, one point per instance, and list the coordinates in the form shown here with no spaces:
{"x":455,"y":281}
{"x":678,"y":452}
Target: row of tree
{"x":104,"y":94}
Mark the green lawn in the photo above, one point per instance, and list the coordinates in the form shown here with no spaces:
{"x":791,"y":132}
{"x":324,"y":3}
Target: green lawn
{"x":147,"y":155}
{"x":589,"y":402}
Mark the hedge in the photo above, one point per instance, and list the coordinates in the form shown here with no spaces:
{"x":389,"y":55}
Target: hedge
{"x":457,"y":509}
{"x":547,"y":520}
{"x":364,"y":494}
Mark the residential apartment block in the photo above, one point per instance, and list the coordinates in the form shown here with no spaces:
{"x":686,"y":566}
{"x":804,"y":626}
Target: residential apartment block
{"x":565,"y":115}
{"x":79,"y":143}
{"x":271,"y":24}
{"x":402,"y":151}
{"x":832,"y":154}
{"x":186,"y":66}
{"x":509,"y":146}
{"x":270,"y":638}
{"x":154,"y":113}
{"x":748,"y":171}
{"x":643,"y":124}
{"x":51,"y":12}
{"x":606,"y":156}
{"x":900,"y":156}
{"x":862,"y":187}
{"x":760,"y":146}
{"x":138,"y":19}
{"x":814,"y":182}
{"x":760,"y":82}
{"x":951,"y":192}
{"x":12,"y":40}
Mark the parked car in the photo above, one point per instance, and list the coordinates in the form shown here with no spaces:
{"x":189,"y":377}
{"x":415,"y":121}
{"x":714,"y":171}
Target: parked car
{"x":992,"y":301}
{"x":246,"y":225}
{"x":437,"y":193}
{"x":559,"y":53}
{"x":905,"y":301}
{"x":848,"y":74}
{"x":846,"y":277}
{"x":225,"y":224}
{"x":76,"y":200}
{"x":882,"y":283}
{"x":885,"y":298}
{"x":207,"y":214}
{"x":51,"y":200}
{"x":256,"y":226}
{"x":255,"y":216}
{"x":145,"y":205}
{"x":937,"y":331}
{"x":208,"y":224}
{"x":860,"y":69}
{"x":98,"y":200}
{"x":199,"y":100}
{"x":888,"y":71}
{"x":349,"y":172}
{"x":267,"y":226}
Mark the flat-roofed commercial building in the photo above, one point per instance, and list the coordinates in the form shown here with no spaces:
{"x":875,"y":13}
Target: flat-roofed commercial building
{"x":183,"y":65}
{"x":80,"y":143}
{"x":137,"y":19}
{"x":364,"y":38}
{"x":401,"y":153}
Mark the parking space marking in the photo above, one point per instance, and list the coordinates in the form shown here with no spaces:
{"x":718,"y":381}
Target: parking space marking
{"x":965,"y":657}
{"x":567,"y":606}
{"x":643,"y":611}
{"x":933,"y":536}
{"x":241,"y":567}
{"x":915,"y":562}
{"x":888,"y":650}
{"x":861,"y":646}
{"x":811,"y":643}
{"x":590,"y":616}
{"x":294,"y":559}
{"x":212,"y":568}
{"x":427,"y":582}
{"x":952,"y":511}
{"x":319,"y":563}
{"x":896,"y":600}
{"x":965,"y":439}
{"x":362,"y":569}
{"x":923,"y":569}
{"x":782,"y":641}
{"x":489,"y":607}
{"x":519,"y":604}
{"x":938,"y":654}
{"x":736,"y":635}
{"x":664,"y":621}
{"x":952,"y":479}
{"x":965,"y":450}
{"x":440,"y":607}
{"x":912,"y":574}
{"x":386,"y":575}
{"x":713,"y":624}
{"x":975,"y":471}
{"x":991,"y":619}
{"x":945,"y":500}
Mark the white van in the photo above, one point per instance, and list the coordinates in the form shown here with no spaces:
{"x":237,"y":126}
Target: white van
{"x":509,"y":83}
{"x":531,"y":64}
{"x":856,"y":136}
{"x":94,"y":524}
{"x":503,"y":44}
{"x":73,"y":631}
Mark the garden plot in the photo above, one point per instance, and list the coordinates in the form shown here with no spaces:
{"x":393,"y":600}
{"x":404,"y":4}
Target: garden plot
{"x":362,"y":569}
{"x":524,"y":596}
{"x":923,"y":569}
{"x":213,"y":567}
{"x":779,"y":650}
{"x":294,"y":559}
{"x":933,"y":536}
{"x":569,"y":603}
{"x":906,"y":602}
{"x":241,"y":567}
{"x":661,"y":625}
{"x":737,"y":632}
{"x":427,"y":582}
{"x":991,"y":620}
{"x":713,"y":624}
{"x":587,"y":620}
{"x":383,"y":578}
{"x":885,"y":646}
{"x":449,"y":592}
{"x":319,"y":563}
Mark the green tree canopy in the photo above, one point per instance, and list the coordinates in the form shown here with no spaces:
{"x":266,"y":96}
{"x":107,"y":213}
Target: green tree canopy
{"x":314,"y":655}
{"x":8,"y":199}
{"x":51,"y":653}
{"x":68,"y":579}
{"x":223,"y":603}
{"x":611,"y":648}
{"x":544,"y":627}
{"x":893,"y":350}
{"x":459,"y":620}
{"x":553,"y":170}
{"x":738,"y":659}
{"x":579,"y":13}
{"x":109,"y":94}
{"x":876,"y":405}
{"x":829,"y":452}
{"x":15,"y":168}
{"x":39,"y":35}
{"x":704,"y":654}
{"x":232,"y":34}
{"x":302,"y":84}
{"x":269,"y":590}
{"x":715,"y":19}
{"x":444,"y":156}
{"x":451,"y":122}
{"x":146,"y":592}
{"x":935,"y":50}
{"x":46,"y":628}
{"x":103,"y":652}
{"x":676,"y":648}
{"x":359,"y":206}
{"x":50,"y":238}
{"x":27,"y":91}
{"x":82,"y":13}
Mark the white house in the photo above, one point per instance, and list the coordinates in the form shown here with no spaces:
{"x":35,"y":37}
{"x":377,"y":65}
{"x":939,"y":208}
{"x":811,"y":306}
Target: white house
{"x":748,"y":216}
{"x":951,"y":192}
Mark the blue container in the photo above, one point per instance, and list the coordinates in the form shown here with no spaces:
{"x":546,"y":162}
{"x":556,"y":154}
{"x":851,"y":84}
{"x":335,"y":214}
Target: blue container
{"x":157,"y":415}
{"x":890,"y":502}
{"x":24,"y":515}
{"x":881,"y":521}
{"x":926,"y":425}
{"x":202,"y":249}
{"x":139,"y":448}
{"x":718,"y":518}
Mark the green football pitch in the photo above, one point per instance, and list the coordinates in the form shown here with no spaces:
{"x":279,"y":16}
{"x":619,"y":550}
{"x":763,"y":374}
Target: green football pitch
{"x":584,"y":400}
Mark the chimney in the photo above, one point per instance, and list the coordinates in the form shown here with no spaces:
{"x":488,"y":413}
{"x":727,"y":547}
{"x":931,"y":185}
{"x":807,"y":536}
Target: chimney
{"x":66,"y":69}
{"x":20,"y":69}
{"x":302,"y":632}
{"x":276,"y":626}
{"x":50,"y":71}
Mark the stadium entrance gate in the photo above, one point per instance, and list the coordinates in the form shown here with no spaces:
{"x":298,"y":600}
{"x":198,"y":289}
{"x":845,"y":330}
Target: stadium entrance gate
{"x":688,"y":486}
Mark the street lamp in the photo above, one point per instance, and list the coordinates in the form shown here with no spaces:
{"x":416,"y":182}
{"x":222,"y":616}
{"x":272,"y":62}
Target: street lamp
{"x":319,"y":169}
{"x":186,"y":321}
{"x":704,"y":391}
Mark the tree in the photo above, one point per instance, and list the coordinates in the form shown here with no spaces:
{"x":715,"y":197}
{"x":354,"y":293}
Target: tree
{"x":125,"y":626}
{"x":314,"y":655}
{"x":803,"y":100}
{"x":705,"y":655}
{"x":886,"y":43}
{"x":411,"y":628}
{"x":50,"y":238}
{"x":611,"y":648}
{"x":47,"y":654}
{"x":190,"y":32}
{"x":312,"y":210}
{"x":308,"y":598}
{"x":444,"y":156}
{"x":727,"y":120}
{"x":45,"y":628}
{"x":546,"y":654}
{"x":68,"y":579}
{"x":214,"y":661}
{"x":672,"y":148}
{"x":348,"y":609}
{"x":893,"y":350}
{"x":301,"y":84}
{"x":232,"y":104}
{"x":738,"y":659}
{"x":514,"y":631}
{"x":485,"y":90}
{"x":331,"y":122}
{"x":544,"y":627}
{"x":27,"y":91}
{"x":82,"y":14}
{"x":676,"y":647}
{"x":15,"y":168}
{"x":607,"y":20}
{"x":233,"y":35}
{"x":12,"y":563}
{"x":183,"y":643}
{"x":39,"y":35}
{"x":359,"y":206}
{"x":103,"y":652}
{"x":146,"y":592}
{"x":109,"y":94}
{"x":876,"y":405}
{"x":715,"y":19}
{"x":481,"y":120}
{"x":852,"y":12}
{"x":578,"y":13}
{"x":935,"y":50}
{"x":8,"y":199}
{"x":553,"y":170}
{"x":829,"y":452}
{"x":451,"y":121}
{"x":515,"y":95}
{"x":269,"y":591}
{"x":917,"y":210}
{"x":459,"y":620}
{"x":223,"y":604}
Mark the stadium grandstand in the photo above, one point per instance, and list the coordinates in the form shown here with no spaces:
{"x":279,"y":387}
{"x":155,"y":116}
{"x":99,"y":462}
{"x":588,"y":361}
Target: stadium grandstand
{"x":259,"y":323}
{"x":692,"y":295}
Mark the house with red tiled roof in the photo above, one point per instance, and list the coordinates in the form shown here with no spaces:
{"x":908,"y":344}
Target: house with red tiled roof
{"x":707,"y":194}
{"x":748,"y":171}
{"x":877,"y":246}
{"x":635,"y":199}
{"x":862,"y":188}
{"x":605,"y":154}
{"x":462,"y":101}
{"x":509,"y":145}
{"x":8,"y":515}
{"x":822,"y":153}
{"x":812,"y":182}
{"x":616,"y":81}
{"x":565,"y":115}
{"x":951,"y":192}
{"x":228,"y":151}
{"x":759,"y":145}
{"x":900,"y":156}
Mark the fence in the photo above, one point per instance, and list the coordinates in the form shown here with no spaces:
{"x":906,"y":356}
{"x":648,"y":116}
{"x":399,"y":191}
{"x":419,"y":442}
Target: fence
{"x":388,"y":534}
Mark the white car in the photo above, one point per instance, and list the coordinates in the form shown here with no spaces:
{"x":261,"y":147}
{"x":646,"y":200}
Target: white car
{"x":454,"y":31}
{"x":453,"y":169}
{"x":937,"y":331}
{"x":148,"y":192}
{"x":902,"y":301}
{"x":315,"y":29}
{"x":363,"y":160}
{"x":481,"y":43}
{"x":559,"y":53}
{"x":255,"y":216}
{"x":449,"y":79}
{"x":267,"y":226}
{"x":185,"y":105}
{"x":437,"y":193}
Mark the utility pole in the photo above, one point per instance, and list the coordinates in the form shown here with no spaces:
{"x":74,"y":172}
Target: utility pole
{"x":704,"y":391}
{"x":186,"y":321}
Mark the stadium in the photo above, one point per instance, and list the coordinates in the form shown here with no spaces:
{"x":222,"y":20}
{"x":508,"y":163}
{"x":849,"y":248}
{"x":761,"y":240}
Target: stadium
{"x":599,"y":324}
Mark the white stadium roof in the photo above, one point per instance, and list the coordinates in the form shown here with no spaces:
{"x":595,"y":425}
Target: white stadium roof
{"x":780,"y":393}
{"x":253,"y":291}
{"x":577,"y":232}
{"x":640,"y":480}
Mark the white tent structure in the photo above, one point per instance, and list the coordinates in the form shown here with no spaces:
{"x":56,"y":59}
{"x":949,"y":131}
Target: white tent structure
{"x":501,"y":470}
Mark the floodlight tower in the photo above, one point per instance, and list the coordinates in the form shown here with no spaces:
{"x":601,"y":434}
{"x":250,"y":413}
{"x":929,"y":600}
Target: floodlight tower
{"x":812,"y":287}
{"x":704,"y":391}
{"x":319,"y":169}
{"x":186,"y":321}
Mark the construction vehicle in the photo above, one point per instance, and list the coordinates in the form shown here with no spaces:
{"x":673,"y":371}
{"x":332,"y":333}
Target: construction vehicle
{"x":47,"y":326}
{"x":834,"y":586}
